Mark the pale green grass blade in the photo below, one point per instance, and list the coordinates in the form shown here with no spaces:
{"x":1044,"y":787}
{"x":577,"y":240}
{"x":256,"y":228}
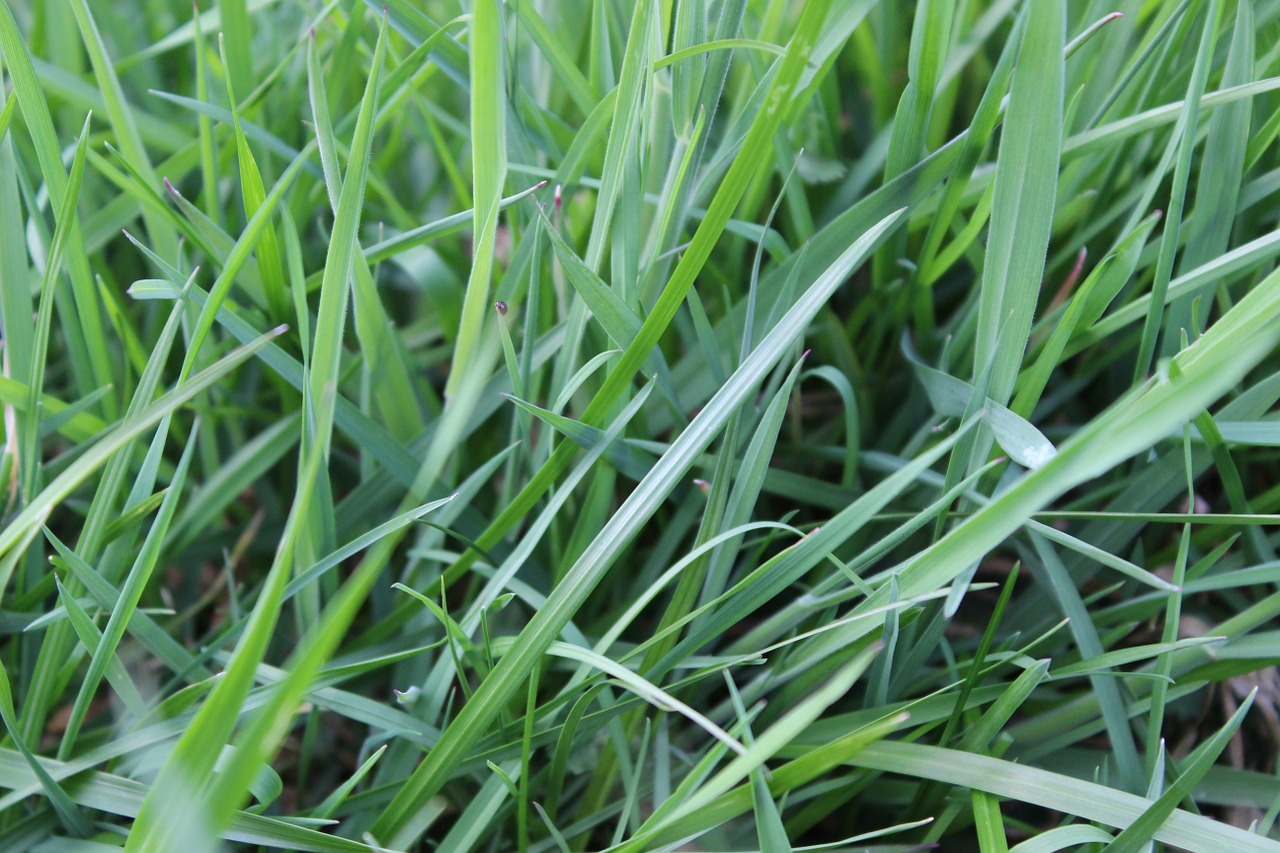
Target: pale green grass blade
{"x":237,"y":29}
{"x":1185,"y":134}
{"x":562,"y":63}
{"x":1218,"y":185}
{"x":1139,"y":833}
{"x":90,"y":637}
{"x":35,"y":110}
{"x":1021,"y":212}
{"x":120,"y":115}
{"x":120,"y":796}
{"x":488,"y":175}
{"x":1086,"y":306}
{"x":1063,"y":838}
{"x":67,"y":222}
{"x":1061,"y":793}
{"x":269,"y":727}
{"x":628,"y":108}
{"x":68,"y":813}
{"x":930,"y":37}
{"x":130,"y":594}
{"x":392,"y":246}
{"x":183,"y":778}
{"x":254,"y":195}
{"x":15,"y":301}
{"x":827,"y":514}
{"x":765,"y":746}
{"x":339,"y":264}
{"x":790,"y":775}
{"x":386,"y":371}
{"x":989,"y":823}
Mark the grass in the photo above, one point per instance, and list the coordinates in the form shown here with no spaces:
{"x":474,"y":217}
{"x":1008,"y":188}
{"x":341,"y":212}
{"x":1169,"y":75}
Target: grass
{"x":730,"y":425}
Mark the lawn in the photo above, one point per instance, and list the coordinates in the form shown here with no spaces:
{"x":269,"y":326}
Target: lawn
{"x":577,"y":425}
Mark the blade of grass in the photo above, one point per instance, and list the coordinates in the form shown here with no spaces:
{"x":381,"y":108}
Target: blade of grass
{"x":488,"y":174}
{"x":512,"y":670}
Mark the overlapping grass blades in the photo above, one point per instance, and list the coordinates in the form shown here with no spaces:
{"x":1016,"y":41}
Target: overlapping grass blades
{"x":533,"y":530}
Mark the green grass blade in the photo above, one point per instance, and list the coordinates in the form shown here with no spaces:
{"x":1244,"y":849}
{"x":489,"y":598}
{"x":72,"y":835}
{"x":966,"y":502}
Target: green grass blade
{"x":488,"y":174}
{"x":590,"y":568}
{"x":1021,"y":212}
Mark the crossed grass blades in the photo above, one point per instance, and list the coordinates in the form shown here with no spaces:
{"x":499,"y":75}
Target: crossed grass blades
{"x":871,"y":449}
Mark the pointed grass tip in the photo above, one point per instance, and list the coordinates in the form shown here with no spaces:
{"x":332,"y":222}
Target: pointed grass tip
{"x":559,"y":190}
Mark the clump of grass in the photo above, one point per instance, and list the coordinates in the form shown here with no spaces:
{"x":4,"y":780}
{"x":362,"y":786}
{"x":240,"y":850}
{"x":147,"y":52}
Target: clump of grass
{"x":725,"y":425}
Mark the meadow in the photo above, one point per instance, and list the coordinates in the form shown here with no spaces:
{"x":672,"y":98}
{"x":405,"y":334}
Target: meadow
{"x":716,"y":425}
